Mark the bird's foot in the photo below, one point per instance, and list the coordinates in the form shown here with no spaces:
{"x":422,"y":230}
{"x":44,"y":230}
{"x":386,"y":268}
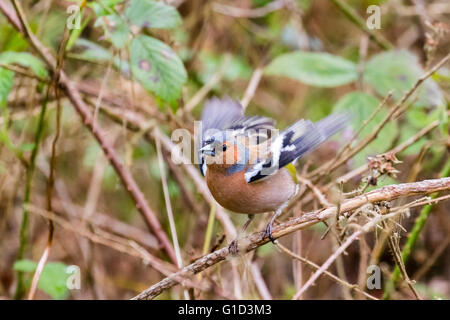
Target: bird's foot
{"x":268,"y":233}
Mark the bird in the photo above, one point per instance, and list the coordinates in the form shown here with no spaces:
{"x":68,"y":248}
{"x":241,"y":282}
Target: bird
{"x":248,"y":163}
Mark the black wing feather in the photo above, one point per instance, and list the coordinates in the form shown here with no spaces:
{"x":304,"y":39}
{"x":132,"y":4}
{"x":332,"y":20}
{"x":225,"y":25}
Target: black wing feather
{"x":297,"y":140}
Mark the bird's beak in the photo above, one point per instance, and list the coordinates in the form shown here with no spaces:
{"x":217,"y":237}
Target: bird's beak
{"x":208,"y":149}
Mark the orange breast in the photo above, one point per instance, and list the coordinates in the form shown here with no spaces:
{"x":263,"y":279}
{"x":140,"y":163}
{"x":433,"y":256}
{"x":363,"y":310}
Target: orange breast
{"x":234,"y":193}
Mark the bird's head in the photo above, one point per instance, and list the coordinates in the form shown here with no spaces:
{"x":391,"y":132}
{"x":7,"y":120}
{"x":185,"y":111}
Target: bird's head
{"x":223,"y":152}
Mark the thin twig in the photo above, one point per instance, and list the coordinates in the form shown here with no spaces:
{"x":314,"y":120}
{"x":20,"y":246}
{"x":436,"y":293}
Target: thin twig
{"x":412,"y":239}
{"x":84,"y":112}
{"x":400,"y":148}
{"x":173,"y":229}
{"x":252,"y":86}
{"x":26,"y":200}
{"x":353,"y":16}
{"x":329,"y":167}
{"x":51,"y":178}
{"x":248,"y":13}
{"x":329,"y":274}
{"x":202,"y":93}
{"x":257,"y":239}
{"x":367,"y":227}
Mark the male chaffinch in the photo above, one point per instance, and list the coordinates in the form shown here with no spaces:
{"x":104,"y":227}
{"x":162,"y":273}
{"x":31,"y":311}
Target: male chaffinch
{"x":248,"y":166}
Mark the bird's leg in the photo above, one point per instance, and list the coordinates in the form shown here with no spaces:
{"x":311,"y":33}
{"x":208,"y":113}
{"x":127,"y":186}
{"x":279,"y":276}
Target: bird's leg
{"x":233,"y":247}
{"x":247,"y":223}
{"x":268,"y":231}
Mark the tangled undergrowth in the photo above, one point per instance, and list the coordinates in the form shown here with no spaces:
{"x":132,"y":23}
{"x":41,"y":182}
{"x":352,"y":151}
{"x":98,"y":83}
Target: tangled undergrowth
{"x":93,"y":184}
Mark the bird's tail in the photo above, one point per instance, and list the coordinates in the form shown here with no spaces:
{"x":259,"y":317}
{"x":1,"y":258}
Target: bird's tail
{"x":332,"y":124}
{"x":304,"y":136}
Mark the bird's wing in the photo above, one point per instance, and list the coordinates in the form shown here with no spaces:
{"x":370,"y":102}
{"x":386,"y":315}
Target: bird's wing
{"x":246,"y":124}
{"x":294,"y":142}
{"x":220,"y":113}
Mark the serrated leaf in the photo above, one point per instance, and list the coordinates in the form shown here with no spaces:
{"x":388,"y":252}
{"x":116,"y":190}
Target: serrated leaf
{"x":361,"y":106}
{"x":53,"y":279}
{"x":157,"y":67}
{"x":399,"y":70}
{"x":26,"y":60}
{"x":152,"y":14}
{"x":317,"y":69}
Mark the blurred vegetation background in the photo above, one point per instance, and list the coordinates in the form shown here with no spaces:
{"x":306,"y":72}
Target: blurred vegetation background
{"x":154,"y":63}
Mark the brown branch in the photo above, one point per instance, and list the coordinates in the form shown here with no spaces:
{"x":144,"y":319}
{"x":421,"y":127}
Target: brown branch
{"x":252,"y":86}
{"x":11,"y":16}
{"x":255,"y":240}
{"x":85,"y":114}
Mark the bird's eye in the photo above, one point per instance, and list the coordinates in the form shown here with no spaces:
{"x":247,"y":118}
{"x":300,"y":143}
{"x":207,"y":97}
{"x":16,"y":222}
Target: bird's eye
{"x":209,"y":141}
{"x":224,"y":148}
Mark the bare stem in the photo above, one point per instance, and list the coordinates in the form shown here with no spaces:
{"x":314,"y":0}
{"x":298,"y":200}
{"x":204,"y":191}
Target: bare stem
{"x":85,"y":114}
{"x":255,"y":240}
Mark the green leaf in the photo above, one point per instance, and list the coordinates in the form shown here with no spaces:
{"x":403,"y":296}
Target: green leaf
{"x":25,"y":266}
{"x":103,"y":7}
{"x":443,"y":119}
{"x":26,"y":147}
{"x":53,"y":280}
{"x":10,"y":39}
{"x":26,"y":60}
{"x":236,"y":66}
{"x":76,"y":33}
{"x":94,"y":52}
{"x":151,"y":14}
{"x":418,"y":118}
{"x":361,"y":106}
{"x":317,"y":69}
{"x":115,"y":28}
{"x":157,"y":68}
{"x":399,"y":70}
{"x":6,"y":83}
